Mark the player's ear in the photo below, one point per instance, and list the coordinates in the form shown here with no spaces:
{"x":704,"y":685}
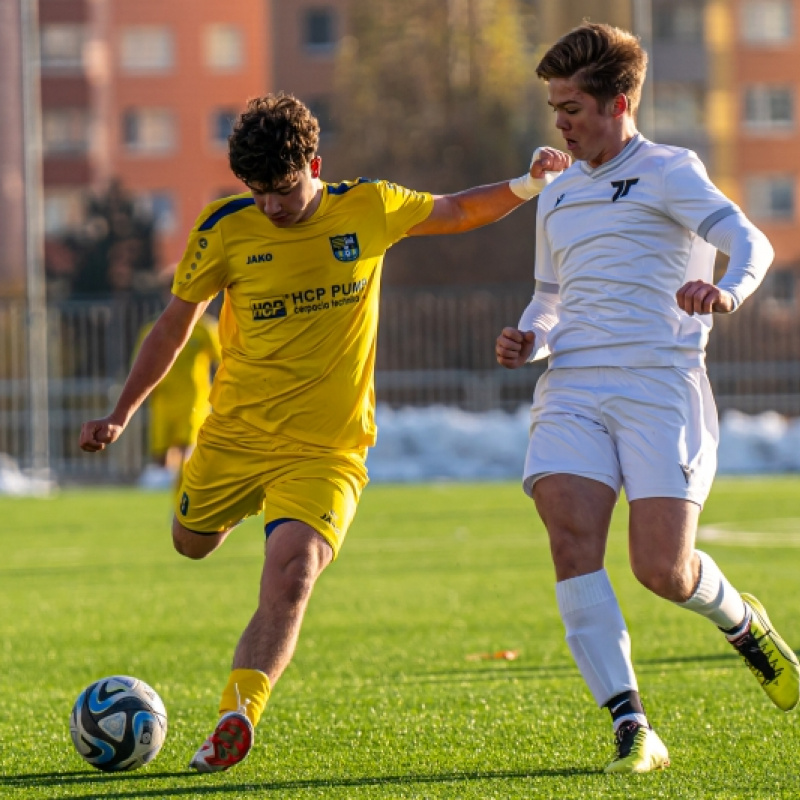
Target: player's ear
{"x":315,"y":165}
{"x":620,"y":105}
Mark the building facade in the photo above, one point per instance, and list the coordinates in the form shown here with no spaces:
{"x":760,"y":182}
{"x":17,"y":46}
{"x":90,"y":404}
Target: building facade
{"x":140,"y":92}
{"x":726,"y":77}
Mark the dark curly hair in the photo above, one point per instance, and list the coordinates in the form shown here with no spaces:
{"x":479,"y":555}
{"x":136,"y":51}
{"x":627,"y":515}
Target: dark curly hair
{"x":603,"y":61}
{"x":273,"y":139}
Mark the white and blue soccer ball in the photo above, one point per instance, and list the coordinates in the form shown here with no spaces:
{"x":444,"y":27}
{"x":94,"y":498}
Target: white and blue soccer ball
{"x":118,"y":723}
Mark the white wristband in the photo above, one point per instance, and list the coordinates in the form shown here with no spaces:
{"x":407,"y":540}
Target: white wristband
{"x":527,"y":187}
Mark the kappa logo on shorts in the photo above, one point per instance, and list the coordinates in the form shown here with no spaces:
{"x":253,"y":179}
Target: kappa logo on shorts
{"x":345,"y":247}
{"x":185,"y":504}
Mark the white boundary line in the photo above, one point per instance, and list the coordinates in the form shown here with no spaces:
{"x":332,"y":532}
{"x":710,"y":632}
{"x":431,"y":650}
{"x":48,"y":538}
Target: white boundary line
{"x":783,"y":532}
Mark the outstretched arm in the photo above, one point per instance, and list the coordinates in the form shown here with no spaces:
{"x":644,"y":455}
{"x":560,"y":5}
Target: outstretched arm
{"x":157,"y":354}
{"x":473,"y":208}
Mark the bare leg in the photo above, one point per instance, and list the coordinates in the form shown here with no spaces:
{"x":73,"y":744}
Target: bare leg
{"x":295,"y":557}
{"x":577,"y":513}
{"x":196,"y":545}
{"x":662,"y":535}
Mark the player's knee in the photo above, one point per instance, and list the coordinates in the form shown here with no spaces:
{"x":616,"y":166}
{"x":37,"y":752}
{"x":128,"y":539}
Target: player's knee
{"x":193,"y":545}
{"x":297,"y":577}
{"x":293,"y":571}
{"x":186,"y":549}
{"x":664,"y":579}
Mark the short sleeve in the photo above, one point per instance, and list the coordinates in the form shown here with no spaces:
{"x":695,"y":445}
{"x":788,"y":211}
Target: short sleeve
{"x":691,"y":198}
{"x":404,"y":209}
{"x":202,"y":272}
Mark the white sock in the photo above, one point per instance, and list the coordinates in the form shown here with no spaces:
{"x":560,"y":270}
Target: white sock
{"x":596,"y":634}
{"x":715,"y":598}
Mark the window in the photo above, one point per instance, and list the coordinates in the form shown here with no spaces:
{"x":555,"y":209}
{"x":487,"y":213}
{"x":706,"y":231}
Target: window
{"x":63,"y":210}
{"x":222,"y":121}
{"x":158,"y":205}
{"x":224,"y":48}
{"x":766,"y":21}
{"x":678,"y":22}
{"x":771,"y":198}
{"x":62,"y":47}
{"x":769,"y":107}
{"x":65,"y":131}
{"x":319,"y":30}
{"x":147,"y":49}
{"x":149,"y":131}
{"x":678,"y":107}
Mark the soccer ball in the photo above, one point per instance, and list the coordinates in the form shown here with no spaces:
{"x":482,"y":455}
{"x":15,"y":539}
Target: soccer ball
{"x":118,"y":723}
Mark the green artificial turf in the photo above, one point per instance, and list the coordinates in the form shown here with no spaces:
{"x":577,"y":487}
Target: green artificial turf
{"x":385,"y":698}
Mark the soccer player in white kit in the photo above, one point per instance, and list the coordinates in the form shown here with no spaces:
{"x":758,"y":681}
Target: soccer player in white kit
{"x":625,"y":248}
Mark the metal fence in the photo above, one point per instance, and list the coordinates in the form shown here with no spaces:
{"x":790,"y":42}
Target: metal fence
{"x":436,"y":346}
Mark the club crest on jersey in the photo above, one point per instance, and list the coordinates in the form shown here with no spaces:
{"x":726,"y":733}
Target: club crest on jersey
{"x":345,"y":247}
{"x":272,"y":308}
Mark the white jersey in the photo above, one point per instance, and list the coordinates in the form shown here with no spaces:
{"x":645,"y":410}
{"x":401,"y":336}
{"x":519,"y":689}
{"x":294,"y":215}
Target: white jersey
{"x":617,"y":242}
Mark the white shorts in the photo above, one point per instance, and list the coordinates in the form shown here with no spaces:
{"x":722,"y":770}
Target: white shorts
{"x":651,"y":430}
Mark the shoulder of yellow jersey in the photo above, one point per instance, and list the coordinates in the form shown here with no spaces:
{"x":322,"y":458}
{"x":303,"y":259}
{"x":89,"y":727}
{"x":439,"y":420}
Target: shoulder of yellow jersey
{"x":218,"y":210}
{"x":390,"y":195}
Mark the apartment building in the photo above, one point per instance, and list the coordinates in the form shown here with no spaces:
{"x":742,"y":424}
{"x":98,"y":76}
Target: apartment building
{"x":145,"y":92}
{"x":726,"y":77}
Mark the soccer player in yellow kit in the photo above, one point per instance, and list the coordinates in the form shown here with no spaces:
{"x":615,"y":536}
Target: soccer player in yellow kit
{"x":180,"y":403}
{"x":293,"y":401}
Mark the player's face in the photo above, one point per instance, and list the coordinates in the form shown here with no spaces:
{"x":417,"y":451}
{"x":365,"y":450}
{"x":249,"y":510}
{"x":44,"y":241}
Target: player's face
{"x":292,"y":201}
{"x":592,"y":133}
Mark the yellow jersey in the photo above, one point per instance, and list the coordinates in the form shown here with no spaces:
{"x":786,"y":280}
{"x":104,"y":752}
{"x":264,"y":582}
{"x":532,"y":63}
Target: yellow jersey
{"x":299,"y":320}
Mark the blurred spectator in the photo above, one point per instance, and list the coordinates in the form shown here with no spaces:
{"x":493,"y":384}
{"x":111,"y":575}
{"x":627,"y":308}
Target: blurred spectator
{"x":113,"y":253}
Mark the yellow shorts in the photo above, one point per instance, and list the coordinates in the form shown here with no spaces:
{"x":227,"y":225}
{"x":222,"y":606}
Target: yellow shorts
{"x":236,"y":472}
{"x":174,"y":424}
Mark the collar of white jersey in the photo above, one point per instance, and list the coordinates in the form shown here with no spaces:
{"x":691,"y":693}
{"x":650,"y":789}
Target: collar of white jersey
{"x":627,"y":152}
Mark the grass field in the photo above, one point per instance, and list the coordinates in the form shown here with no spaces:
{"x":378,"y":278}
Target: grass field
{"x":382,"y":699}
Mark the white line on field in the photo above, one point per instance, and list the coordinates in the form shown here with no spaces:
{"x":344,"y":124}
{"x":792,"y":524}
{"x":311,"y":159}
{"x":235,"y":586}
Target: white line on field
{"x":774,"y":533}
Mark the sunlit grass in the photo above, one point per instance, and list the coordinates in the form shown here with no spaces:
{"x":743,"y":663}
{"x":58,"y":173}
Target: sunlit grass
{"x":388,"y":696}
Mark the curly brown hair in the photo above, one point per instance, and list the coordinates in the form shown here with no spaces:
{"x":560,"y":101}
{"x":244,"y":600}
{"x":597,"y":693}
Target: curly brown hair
{"x":275,"y":137}
{"x":604,"y":62}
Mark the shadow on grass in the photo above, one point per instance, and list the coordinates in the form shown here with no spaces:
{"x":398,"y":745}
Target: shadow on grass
{"x":123,"y":789}
{"x":499,"y":670}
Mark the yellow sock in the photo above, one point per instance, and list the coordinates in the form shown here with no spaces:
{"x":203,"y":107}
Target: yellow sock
{"x":247,"y":689}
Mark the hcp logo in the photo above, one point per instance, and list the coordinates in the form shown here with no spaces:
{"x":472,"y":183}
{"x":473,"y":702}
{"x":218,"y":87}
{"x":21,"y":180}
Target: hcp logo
{"x":272,"y":308}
